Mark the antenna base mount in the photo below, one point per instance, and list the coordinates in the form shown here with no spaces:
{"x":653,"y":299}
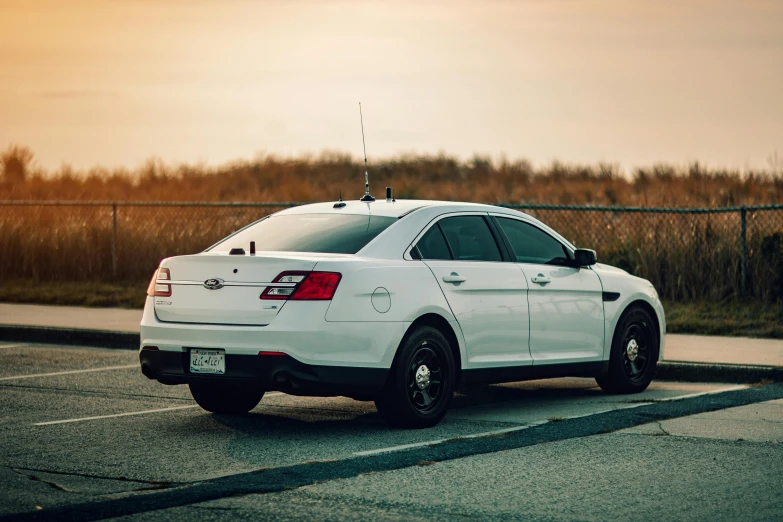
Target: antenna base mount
{"x":367,"y":198}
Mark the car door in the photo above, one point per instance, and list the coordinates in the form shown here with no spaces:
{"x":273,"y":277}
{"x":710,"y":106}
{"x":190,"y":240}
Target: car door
{"x":487,"y":295}
{"x":566,"y":302}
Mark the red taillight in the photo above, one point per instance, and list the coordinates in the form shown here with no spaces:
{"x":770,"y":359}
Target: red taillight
{"x":318,"y":286}
{"x":303,"y":286}
{"x":272,"y":354}
{"x":156,"y":289}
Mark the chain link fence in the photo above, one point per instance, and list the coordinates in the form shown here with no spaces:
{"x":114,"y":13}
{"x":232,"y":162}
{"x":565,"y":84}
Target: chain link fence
{"x":689,"y":254}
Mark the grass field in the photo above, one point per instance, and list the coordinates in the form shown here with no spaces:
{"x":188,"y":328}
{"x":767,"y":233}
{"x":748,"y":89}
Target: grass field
{"x":738,"y":318}
{"x":324,"y":177}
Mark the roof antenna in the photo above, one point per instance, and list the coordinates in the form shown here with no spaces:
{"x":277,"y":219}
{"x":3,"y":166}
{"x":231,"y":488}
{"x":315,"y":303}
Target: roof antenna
{"x":367,"y":197}
{"x":341,"y":203}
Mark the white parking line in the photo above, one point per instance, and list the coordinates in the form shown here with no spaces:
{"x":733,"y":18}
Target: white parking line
{"x":538,"y":423}
{"x":31,"y":376}
{"x":699,"y":394}
{"x":115,"y":415}
{"x":431,"y":442}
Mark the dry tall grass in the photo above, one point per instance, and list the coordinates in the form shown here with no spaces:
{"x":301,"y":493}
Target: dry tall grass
{"x":687,"y":256}
{"x":324,"y":177}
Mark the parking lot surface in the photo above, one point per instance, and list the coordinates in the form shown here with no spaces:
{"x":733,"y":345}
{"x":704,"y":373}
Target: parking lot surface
{"x":85,"y":436}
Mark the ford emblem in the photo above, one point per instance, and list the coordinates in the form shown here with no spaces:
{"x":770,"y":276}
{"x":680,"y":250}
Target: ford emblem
{"x":213,"y":284}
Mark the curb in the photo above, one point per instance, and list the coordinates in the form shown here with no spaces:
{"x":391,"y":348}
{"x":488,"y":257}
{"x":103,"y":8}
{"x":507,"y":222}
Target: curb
{"x":667,"y":371}
{"x":70,"y":336}
{"x":709,"y":372}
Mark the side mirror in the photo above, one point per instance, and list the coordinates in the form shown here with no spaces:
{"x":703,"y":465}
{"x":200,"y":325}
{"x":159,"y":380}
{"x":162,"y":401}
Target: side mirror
{"x":584,"y":257}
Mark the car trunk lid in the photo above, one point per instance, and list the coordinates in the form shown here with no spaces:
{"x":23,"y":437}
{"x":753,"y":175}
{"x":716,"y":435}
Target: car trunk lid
{"x":219,"y":288}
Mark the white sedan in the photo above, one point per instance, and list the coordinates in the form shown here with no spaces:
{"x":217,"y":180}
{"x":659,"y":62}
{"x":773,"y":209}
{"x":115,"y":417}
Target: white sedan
{"x":400,"y":302}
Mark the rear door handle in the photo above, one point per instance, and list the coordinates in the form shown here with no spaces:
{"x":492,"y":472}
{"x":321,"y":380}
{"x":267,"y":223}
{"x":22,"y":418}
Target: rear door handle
{"x":541,"y":279}
{"x":454,"y":277}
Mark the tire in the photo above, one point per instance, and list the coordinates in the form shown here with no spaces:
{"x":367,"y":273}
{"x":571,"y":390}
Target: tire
{"x":421,"y":381}
{"x":226,"y":398}
{"x":634,"y":356}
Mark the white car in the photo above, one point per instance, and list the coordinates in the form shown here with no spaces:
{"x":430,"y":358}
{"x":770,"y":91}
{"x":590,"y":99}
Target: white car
{"x":400,"y":302}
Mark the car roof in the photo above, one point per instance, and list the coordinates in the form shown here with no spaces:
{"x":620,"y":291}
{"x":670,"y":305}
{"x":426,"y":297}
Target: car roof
{"x":380,"y":207}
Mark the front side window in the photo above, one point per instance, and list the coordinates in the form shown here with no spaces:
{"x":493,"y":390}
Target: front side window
{"x":470,"y":239}
{"x":319,"y":233}
{"x":533,"y":245}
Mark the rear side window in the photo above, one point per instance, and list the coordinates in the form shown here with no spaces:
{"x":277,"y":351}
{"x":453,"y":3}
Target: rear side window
{"x":533,"y":245}
{"x":321,"y":233}
{"x":432,"y":245}
{"x":470,"y":238}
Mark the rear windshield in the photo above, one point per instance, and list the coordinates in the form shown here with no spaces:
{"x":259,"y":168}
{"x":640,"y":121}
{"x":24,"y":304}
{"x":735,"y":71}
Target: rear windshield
{"x":323,"y":233}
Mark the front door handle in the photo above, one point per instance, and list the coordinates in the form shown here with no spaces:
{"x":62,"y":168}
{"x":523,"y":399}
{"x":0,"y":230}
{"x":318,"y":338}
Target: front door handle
{"x":454,"y":277}
{"x":541,"y":279}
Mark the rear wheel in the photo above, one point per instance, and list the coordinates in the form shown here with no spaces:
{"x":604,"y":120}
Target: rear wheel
{"x":420,"y":383}
{"x":634,"y":355}
{"x":226,"y":397}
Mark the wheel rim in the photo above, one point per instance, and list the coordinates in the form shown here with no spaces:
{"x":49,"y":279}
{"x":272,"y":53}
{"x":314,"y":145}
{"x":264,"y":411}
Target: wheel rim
{"x":425,"y":378}
{"x":636,"y":350}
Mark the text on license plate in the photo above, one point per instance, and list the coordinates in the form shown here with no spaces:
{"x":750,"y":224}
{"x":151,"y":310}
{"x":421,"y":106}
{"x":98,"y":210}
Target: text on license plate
{"x":207,"y":361}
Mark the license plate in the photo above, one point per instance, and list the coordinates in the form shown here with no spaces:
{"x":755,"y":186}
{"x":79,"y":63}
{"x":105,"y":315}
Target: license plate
{"x":207,"y":361}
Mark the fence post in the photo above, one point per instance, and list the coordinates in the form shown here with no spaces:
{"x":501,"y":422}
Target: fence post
{"x":743,"y":250}
{"x":114,"y":242}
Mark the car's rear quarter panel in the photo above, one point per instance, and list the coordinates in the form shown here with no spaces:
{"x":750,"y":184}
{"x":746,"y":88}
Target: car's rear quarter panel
{"x":411,"y":286}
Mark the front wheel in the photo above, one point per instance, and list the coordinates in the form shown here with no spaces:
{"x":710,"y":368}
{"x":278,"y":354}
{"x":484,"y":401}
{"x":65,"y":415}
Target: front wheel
{"x":634,"y":356}
{"x":420,"y":383}
{"x":226,"y":397}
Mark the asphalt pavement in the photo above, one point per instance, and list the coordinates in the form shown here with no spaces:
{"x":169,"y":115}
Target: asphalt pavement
{"x":84,"y":436}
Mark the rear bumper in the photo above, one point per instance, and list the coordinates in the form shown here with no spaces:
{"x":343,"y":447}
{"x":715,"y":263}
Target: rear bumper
{"x":299,"y":330}
{"x":318,"y":357}
{"x":281,"y":373}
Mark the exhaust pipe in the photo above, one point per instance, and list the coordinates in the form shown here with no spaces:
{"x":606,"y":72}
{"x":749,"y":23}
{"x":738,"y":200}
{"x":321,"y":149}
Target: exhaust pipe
{"x":147,"y":371}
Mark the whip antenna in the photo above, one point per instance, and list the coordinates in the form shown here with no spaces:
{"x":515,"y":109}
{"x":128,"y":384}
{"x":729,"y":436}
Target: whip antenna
{"x":367,"y":197}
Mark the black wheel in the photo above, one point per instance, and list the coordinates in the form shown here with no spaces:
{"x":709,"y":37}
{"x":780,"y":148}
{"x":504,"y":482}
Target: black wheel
{"x":634,"y":356}
{"x":226,"y":397}
{"x":420,"y":383}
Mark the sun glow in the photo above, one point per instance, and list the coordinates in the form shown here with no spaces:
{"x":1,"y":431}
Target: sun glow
{"x":638,"y":82}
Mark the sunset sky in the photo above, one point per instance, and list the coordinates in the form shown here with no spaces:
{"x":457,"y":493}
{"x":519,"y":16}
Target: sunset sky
{"x":114,"y":82}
